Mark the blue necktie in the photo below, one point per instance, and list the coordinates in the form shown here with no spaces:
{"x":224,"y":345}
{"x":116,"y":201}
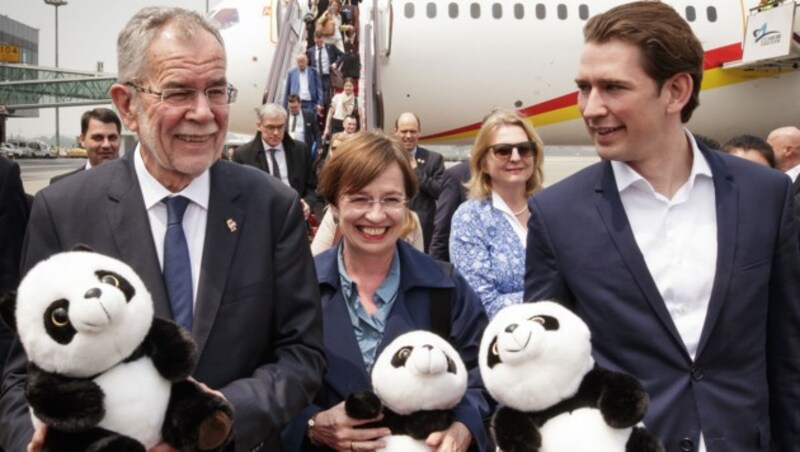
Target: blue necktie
{"x":177,"y":266}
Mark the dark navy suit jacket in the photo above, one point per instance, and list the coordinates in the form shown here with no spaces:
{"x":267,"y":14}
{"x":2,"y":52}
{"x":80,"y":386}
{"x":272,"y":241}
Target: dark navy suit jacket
{"x":429,"y":171}
{"x":411,"y":311}
{"x":13,"y":219}
{"x":743,"y":388}
{"x":453,"y":194}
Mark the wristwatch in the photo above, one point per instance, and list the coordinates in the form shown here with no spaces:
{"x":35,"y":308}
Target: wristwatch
{"x":312,"y":421}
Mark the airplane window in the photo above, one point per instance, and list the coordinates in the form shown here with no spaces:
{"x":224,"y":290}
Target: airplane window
{"x":431,"y":10}
{"x":583,"y":12}
{"x":409,"y":10}
{"x":562,"y":11}
{"x":226,"y":17}
{"x":519,"y":11}
{"x":475,"y":10}
{"x":541,"y":11}
{"x":712,"y":14}
{"x":452,"y":10}
{"x":690,"y":14}
{"x":497,"y":11}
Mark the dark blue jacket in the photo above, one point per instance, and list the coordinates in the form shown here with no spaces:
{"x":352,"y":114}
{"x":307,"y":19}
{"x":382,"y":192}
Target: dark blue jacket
{"x":741,"y":389}
{"x":346,"y":371}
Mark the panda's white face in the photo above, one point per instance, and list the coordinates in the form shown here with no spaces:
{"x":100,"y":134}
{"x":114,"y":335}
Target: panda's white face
{"x":534,"y":355}
{"x":79,"y":313}
{"x":419,"y":371}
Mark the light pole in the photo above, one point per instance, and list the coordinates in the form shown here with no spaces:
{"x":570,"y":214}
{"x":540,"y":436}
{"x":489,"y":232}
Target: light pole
{"x":57,"y":3}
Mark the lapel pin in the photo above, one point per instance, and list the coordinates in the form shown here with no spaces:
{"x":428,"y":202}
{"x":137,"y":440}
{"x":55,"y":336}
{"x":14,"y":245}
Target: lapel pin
{"x":231,"y":225}
{"x":420,"y":161}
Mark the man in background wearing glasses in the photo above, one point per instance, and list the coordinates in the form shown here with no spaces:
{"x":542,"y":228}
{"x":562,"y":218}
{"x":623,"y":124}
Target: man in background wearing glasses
{"x":682,"y":260}
{"x":256,"y":325}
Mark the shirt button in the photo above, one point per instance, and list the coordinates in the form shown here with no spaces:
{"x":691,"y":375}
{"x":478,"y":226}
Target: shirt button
{"x":686,"y":445}
{"x":697,"y":373}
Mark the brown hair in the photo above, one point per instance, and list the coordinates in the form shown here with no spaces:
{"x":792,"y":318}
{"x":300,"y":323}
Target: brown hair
{"x":667,"y":43}
{"x":361,"y":159}
{"x":480,"y":184}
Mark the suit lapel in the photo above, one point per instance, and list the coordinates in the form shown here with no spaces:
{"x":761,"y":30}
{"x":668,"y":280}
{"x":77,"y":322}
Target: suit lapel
{"x":293,"y":167}
{"x":130,"y":230}
{"x":257,"y":155}
{"x":609,"y":206}
{"x":346,"y":371}
{"x":727,"y":199}
{"x":225,"y":219}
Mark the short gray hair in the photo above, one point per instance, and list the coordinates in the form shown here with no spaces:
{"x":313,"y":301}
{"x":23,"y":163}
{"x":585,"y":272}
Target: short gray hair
{"x":271,"y":110}
{"x":134,"y":41}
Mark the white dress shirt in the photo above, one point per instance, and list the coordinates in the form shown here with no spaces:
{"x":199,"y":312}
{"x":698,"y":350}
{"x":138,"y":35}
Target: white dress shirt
{"x":322,"y":59}
{"x":793,"y":172}
{"x":280,"y":157}
{"x":296,"y":126}
{"x":305,"y":92}
{"x":678,"y":239}
{"x":194,"y":219}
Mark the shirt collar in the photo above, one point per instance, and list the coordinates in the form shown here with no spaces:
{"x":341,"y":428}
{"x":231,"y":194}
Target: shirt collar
{"x":279,"y":147}
{"x":153,"y":192}
{"x":793,"y":172}
{"x":626,"y":176}
{"x":386,"y":293}
{"x":499,"y":204}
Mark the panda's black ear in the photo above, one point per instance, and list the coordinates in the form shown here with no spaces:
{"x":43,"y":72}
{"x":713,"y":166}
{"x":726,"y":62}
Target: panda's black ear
{"x":82,"y":247}
{"x":8,"y":301}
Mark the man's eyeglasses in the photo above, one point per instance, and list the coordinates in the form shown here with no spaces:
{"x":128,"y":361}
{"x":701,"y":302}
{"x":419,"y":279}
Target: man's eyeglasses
{"x":186,"y":97}
{"x":363,"y":203}
{"x":525,"y":149}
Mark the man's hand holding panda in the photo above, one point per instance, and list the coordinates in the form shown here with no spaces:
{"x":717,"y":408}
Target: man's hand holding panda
{"x":335,"y":429}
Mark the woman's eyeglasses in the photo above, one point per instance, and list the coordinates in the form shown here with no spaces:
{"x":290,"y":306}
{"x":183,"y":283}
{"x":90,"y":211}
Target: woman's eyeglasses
{"x":525,"y":149}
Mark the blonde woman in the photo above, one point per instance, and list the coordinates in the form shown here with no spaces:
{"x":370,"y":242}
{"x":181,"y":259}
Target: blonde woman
{"x":489,"y":231}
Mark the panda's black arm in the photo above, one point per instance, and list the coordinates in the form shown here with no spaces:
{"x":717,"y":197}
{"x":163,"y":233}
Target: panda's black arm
{"x":67,"y":404}
{"x":516,"y":431}
{"x":620,"y":398}
{"x":422,"y":423}
{"x":172,"y":350}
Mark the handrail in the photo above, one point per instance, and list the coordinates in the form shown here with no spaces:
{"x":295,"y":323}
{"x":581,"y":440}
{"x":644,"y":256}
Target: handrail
{"x":287,"y":42}
{"x":368,"y":84}
{"x":390,"y":9}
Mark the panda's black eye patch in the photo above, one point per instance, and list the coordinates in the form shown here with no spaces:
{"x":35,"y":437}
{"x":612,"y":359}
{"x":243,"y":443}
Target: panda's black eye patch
{"x":451,"y":365}
{"x":548,"y":322}
{"x":494,"y":354}
{"x":116,"y":280}
{"x":56,"y":322}
{"x":401,"y":356}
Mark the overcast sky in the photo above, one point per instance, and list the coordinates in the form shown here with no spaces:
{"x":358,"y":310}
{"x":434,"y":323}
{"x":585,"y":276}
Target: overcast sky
{"x":87,"y":34}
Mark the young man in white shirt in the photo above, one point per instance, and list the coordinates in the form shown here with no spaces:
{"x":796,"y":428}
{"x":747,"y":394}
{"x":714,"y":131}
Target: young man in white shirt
{"x":682,"y":260}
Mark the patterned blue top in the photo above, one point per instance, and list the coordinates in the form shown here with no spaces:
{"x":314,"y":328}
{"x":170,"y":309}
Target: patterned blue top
{"x":490,"y":255}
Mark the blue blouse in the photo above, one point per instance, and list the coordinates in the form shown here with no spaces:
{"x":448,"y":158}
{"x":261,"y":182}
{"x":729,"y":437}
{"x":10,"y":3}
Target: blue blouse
{"x":490,"y":255}
{"x":369,"y":329}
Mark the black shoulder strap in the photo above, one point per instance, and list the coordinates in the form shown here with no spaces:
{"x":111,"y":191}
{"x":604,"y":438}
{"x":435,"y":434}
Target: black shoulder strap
{"x":441,"y":305}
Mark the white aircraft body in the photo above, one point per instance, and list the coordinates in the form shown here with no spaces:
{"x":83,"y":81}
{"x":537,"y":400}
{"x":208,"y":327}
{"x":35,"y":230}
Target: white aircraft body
{"x":451,"y":62}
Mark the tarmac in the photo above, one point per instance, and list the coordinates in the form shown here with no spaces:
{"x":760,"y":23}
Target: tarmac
{"x":36,"y":173}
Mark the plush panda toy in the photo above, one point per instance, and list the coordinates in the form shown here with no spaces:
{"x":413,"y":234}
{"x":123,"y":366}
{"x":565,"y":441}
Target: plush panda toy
{"x":104,"y":374}
{"x":535,"y":359}
{"x":417,"y":380}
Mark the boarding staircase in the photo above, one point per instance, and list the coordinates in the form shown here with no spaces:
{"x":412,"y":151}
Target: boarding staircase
{"x":375,"y":42}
